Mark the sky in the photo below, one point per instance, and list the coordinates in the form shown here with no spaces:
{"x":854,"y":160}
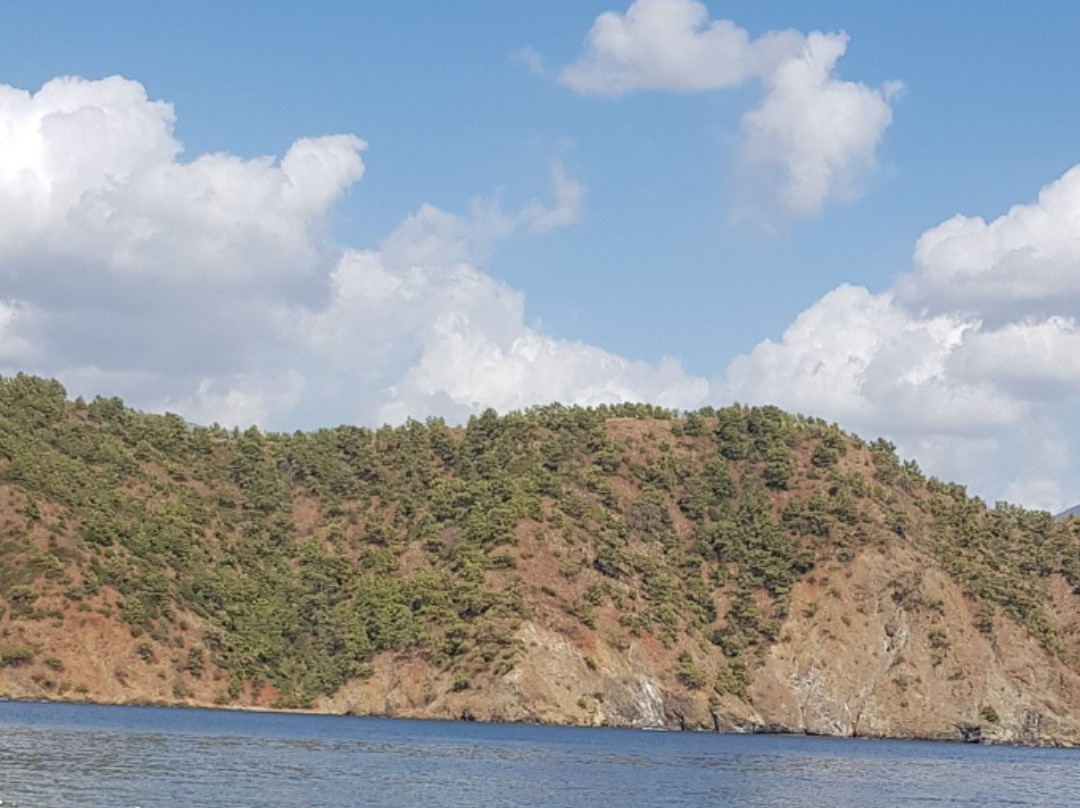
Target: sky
{"x":340,"y":212}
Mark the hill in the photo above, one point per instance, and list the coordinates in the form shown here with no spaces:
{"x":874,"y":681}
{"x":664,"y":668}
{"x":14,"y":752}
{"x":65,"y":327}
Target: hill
{"x":1073,"y":511}
{"x":731,"y":569}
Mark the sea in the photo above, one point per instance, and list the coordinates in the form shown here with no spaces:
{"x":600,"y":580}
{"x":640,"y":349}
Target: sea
{"x":84,"y":756}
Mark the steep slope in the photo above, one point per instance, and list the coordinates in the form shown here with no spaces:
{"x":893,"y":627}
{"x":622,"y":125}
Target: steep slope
{"x":739,"y":569}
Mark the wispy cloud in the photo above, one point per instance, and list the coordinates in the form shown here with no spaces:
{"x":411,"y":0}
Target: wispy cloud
{"x":529,"y":59}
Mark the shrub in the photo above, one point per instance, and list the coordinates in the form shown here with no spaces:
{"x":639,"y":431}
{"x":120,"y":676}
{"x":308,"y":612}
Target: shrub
{"x":195,"y":662}
{"x":689,"y":674}
{"x":22,"y":599}
{"x":939,"y":639}
{"x":12,"y":654}
{"x":52,"y":663}
{"x":733,"y":678}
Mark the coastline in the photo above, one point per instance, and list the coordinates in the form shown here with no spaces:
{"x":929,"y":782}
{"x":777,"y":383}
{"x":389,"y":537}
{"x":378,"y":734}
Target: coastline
{"x":772,"y":729}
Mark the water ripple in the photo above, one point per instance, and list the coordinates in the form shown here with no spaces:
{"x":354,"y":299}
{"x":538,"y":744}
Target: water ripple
{"x":65,"y":756}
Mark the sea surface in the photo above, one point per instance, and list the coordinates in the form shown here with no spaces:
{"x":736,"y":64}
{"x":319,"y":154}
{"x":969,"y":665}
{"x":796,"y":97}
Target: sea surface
{"x":61,"y":756}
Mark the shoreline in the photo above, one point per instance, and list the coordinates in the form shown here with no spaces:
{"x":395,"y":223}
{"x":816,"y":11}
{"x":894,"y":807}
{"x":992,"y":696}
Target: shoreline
{"x":772,"y":730}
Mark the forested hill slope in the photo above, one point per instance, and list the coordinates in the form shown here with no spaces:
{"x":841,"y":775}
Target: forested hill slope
{"x":738,"y":568}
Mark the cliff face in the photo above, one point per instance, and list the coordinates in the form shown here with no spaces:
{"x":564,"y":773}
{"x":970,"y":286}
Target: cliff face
{"x":853,"y":659}
{"x":734,"y":570}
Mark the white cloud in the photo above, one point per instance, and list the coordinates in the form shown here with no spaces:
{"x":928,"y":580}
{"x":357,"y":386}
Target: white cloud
{"x":238,"y":399}
{"x":972,"y":363}
{"x":72,"y":137}
{"x":1043,"y":479}
{"x":419,"y":302}
{"x":672,"y":45}
{"x":89,"y":172}
{"x":208,"y":286}
{"x":859,"y":359}
{"x":1024,"y":263}
{"x":812,"y":138}
{"x":124,"y":264}
{"x":466,"y":362}
{"x":1031,"y":360}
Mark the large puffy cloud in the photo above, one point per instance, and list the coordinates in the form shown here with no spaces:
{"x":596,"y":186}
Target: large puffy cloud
{"x":89,"y":170}
{"x":811,"y":139}
{"x":131,"y":271}
{"x":1026,"y":262}
{"x":971,"y":362}
{"x":859,"y":358}
{"x":209,"y":286}
{"x":121,"y":255}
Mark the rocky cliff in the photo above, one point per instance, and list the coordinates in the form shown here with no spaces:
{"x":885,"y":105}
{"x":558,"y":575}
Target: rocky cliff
{"x":862,"y":654}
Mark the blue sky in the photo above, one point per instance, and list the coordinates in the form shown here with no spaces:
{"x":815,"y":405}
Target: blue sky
{"x":512,"y":234}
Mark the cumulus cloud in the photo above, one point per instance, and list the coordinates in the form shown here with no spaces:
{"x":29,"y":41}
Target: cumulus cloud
{"x":419,"y":302}
{"x":90,"y":169}
{"x":971,"y":362}
{"x":858,"y":358}
{"x":120,"y":257}
{"x":209,"y":286}
{"x":672,"y":45}
{"x":125,"y":264}
{"x":242,"y":398}
{"x":1030,"y":360}
{"x":471,"y":366}
{"x":1024,"y":263}
{"x":812,"y":138}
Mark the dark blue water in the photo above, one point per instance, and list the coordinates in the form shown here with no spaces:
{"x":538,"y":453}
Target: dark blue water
{"x":57,"y":756}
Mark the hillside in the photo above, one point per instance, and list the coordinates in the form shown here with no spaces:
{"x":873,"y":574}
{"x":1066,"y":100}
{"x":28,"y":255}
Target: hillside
{"x":1073,"y":511}
{"x":732,"y":569}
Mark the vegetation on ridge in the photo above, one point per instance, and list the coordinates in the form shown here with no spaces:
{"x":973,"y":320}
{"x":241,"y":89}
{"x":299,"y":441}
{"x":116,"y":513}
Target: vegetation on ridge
{"x":295,"y":559}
